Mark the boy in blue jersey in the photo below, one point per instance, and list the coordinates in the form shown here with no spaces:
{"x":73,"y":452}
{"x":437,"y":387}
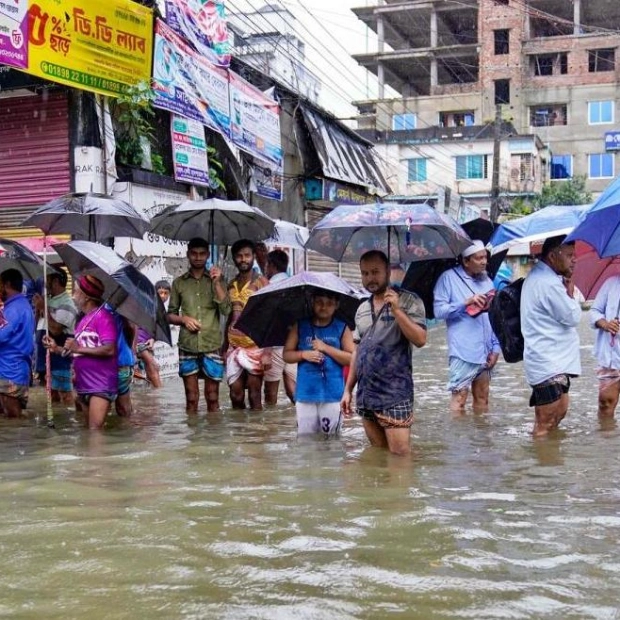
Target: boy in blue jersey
{"x":321,"y":346}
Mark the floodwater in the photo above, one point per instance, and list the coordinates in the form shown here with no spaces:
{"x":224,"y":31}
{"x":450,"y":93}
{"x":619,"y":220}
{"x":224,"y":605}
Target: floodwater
{"x":231,"y":516}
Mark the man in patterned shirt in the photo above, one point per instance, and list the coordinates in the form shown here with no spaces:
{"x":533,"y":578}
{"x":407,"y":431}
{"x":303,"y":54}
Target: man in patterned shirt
{"x":245,"y":362}
{"x":386,"y":325}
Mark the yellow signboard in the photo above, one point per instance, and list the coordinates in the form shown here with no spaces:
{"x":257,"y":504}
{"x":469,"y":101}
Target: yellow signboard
{"x":102,"y":46}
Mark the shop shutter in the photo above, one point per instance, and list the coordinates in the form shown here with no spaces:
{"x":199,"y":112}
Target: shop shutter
{"x":34,"y":151}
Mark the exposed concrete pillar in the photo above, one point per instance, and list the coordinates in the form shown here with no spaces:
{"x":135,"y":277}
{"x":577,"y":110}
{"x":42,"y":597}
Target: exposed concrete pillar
{"x":381,"y":79}
{"x":433,"y":28}
{"x":577,"y":16}
{"x":433,"y":75}
{"x":380,"y":34}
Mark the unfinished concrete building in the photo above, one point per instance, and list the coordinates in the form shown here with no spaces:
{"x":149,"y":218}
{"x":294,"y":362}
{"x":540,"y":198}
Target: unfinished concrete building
{"x":552,"y":65}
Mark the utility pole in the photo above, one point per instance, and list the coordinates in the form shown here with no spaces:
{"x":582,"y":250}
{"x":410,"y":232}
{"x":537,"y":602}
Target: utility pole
{"x":497,"y":139}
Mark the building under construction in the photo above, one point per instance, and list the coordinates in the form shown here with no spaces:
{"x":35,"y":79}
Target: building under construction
{"x":552,"y":66}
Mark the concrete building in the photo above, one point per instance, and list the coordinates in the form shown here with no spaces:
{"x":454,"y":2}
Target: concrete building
{"x":552,"y":66}
{"x":267,"y":40}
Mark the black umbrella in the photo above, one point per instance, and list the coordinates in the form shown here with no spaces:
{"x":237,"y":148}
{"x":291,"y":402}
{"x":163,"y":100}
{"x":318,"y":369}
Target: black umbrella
{"x":127,"y":290}
{"x":14,"y":255}
{"x":89,"y":216}
{"x":272,"y":311}
{"x":422,"y":276}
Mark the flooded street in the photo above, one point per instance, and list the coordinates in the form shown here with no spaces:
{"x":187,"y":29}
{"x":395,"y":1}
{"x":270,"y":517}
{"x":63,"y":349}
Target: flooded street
{"x":230,"y":516}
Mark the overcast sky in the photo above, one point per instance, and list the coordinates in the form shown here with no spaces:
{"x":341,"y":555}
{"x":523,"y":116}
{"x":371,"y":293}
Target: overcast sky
{"x":331,"y":33}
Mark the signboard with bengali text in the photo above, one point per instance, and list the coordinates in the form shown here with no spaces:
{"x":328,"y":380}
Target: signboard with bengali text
{"x":186,"y":84}
{"x":189,"y":151}
{"x":94,"y":45}
{"x":14,"y":33}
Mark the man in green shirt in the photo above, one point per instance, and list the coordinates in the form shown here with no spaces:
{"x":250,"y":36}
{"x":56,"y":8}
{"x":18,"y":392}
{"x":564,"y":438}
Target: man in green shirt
{"x":197,"y":301}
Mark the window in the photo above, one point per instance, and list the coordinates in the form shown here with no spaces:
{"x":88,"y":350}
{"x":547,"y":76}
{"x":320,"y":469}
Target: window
{"x":472,"y":167}
{"x":502,"y":91}
{"x":501,"y":2}
{"x":561,"y":167}
{"x":548,"y":115}
{"x":601,"y":60}
{"x":502,"y":42}
{"x":549,"y":64}
{"x":416,"y":170}
{"x":526,"y":167}
{"x":600,"y":112}
{"x":457,"y":119}
{"x":601,"y":166}
{"x":403,"y":122}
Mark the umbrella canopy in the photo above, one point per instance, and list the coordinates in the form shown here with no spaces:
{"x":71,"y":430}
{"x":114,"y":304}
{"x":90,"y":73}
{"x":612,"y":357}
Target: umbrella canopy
{"x":89,"y":216}
{"x":218,"y":221}
{"x":14,"y":255}
{"x":272,"y":311}
{"x":548,"y":222}
{"x":591,"y":270}
{"x":601,"y":225}
{"x":421,"y":276}
{"x":403,"y":232}
{"x":289,"y":235}
{"x":127,"y":290}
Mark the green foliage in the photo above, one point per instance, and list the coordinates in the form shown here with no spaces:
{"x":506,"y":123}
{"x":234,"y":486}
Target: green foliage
{"x":520,"y":206}
{"x":157,"y":162}
{"x":132,"y":115}
{"x":215,"y":170}
{"x":569,"y":192}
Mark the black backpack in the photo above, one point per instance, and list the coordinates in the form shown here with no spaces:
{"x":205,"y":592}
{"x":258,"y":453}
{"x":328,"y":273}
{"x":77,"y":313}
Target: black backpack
{"x":505,"y":318}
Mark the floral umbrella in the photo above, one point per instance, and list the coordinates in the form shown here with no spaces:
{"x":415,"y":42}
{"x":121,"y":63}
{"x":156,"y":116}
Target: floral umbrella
{"x":405,"y":233}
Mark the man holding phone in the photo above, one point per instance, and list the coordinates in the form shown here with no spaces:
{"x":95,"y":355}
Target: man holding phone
{"x":461,"y":297}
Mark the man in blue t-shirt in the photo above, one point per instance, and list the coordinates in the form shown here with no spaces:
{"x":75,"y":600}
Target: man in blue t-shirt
{"x":16,"y":343}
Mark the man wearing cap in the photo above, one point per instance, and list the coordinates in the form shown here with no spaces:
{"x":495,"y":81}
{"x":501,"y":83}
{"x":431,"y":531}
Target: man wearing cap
{"x":198,"y":300}
{"x":549,"y":319}
{"x":461,"y":298}
{"x":93,"y":351}
{"x":16,"y":343}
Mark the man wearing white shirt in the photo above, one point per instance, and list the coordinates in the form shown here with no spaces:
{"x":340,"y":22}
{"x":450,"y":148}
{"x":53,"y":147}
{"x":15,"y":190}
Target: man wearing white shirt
{"x":549,"y":320}
{"x":276,"y":267}
{"x":604,"y":318}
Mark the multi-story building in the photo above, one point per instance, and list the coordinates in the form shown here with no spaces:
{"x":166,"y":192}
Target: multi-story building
{"x":552,"y":66}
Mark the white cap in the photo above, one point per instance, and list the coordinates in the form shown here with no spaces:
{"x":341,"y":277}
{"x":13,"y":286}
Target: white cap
{"x":475,"y":247}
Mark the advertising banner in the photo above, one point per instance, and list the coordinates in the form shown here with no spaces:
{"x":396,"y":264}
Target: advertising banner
{"x":97,"y":45}
{"x":188,"y":85}
{"x":14,"y":33}
{"x":267,"y":180}
{"x":189,"y":151}
{"x":255,"y":121}
{"x":203,"y":24}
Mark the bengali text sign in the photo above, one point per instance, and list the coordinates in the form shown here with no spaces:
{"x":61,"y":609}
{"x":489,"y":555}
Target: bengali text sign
{"x":14,"y":33}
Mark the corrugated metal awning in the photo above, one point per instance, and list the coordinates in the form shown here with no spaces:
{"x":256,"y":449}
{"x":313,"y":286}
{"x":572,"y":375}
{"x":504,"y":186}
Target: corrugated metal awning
{"x":341,"y":156}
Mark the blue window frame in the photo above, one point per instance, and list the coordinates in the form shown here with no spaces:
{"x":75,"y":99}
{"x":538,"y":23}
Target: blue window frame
{"x":601,"y":165}
{"x":471,"y":167}
{"x":416,"y":170}
{"x":561,"y":166}
{"x":600,"y":112}
{"x":403,"y":122}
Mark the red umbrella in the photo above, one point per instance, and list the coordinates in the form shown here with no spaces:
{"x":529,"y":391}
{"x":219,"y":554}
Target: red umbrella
{"x":591,"y":271}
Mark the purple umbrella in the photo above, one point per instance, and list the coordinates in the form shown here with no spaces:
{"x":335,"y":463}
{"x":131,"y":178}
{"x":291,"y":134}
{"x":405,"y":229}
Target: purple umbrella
{"x":405,"y":233}
{"x":272,"y":311}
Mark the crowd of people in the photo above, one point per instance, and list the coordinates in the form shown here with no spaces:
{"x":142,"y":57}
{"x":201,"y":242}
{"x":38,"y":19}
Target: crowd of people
{"x":87,"y":353}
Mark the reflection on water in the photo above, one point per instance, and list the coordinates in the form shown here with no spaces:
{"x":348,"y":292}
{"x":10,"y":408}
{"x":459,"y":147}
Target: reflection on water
{"x":229,"y":515}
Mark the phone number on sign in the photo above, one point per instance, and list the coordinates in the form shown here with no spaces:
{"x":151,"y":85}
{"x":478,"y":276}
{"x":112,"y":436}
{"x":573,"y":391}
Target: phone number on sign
{"x":81,"y":78}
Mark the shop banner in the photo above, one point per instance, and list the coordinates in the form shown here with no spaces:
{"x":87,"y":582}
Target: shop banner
{"x":203,"y":24}
{"x":96,"y":45}
{"x":187,"y":85}
{"x":189,"y":151}
{"x":14,"y":33}
{"x":255,"y":121}
{"x":267,"y":180}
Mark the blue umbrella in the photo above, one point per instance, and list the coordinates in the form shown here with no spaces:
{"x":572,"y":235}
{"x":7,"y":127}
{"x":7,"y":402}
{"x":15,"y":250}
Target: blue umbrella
{"x":548,"y":222}
{"x":403,"y":232}
{"x":601,"y":226}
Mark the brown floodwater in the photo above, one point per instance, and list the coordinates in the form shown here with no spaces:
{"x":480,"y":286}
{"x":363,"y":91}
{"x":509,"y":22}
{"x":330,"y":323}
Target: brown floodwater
{"x":231,"y":516}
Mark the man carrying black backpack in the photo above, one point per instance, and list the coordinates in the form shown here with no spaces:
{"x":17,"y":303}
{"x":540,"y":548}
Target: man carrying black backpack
{"x":549,"y":320}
